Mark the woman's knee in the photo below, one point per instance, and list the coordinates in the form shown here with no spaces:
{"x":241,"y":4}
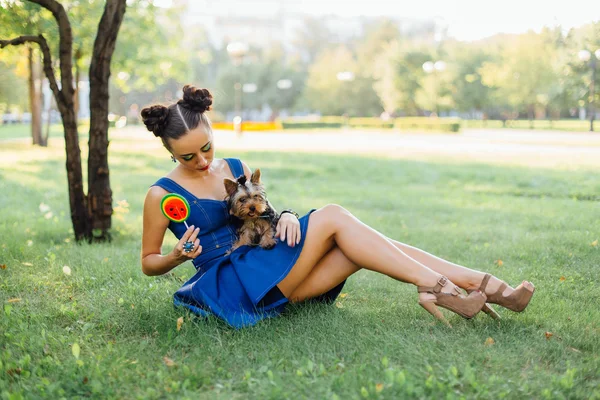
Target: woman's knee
{"x":331,"y":217}
{"x":335,"y":211}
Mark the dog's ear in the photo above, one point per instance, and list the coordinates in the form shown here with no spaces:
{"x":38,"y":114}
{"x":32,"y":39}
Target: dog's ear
{"x":255,"y":178}
{"x":231,"y":186}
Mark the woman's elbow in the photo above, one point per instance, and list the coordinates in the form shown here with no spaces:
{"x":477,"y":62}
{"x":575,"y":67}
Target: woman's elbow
{"x":146,"y":269}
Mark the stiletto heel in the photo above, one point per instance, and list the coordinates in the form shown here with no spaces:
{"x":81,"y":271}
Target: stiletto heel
{"x":466,"y":307}
{"x":433,"y":310}
{"x":490,"y":311}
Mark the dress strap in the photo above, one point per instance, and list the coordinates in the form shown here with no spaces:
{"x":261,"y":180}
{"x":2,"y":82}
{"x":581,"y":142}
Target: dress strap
{"x":167,"y":184}
{"x":173,"y":187}
{"x":236,"y":166}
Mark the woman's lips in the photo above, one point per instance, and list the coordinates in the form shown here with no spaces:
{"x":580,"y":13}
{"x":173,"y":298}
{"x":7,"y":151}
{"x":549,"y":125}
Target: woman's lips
{"x":205,"y":168}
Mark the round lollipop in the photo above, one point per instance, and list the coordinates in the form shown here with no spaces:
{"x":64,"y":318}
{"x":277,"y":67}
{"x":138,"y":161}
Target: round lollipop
{"x":175,"y":207}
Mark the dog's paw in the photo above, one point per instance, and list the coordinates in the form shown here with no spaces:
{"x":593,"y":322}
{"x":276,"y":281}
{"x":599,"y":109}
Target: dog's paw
{"x":268,"y":243}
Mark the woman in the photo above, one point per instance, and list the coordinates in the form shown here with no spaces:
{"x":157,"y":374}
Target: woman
{"x":313,"y":257}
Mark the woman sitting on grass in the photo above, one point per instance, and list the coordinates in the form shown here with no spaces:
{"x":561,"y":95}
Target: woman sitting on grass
{"x":313,"y":256}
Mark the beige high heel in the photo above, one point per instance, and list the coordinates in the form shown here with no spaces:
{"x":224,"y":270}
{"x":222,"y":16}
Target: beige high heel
{"x":465,"y":306}
{"x":516,"y":302}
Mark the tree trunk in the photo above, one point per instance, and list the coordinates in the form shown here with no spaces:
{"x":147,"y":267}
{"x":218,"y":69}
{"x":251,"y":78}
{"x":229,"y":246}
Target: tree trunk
{"x":77,"y":77}
{"x":90,"y":215}
{"x":48,"y":121}
{"x":35,"y":105}
{"x":530,"y":115}
{"x":77,"y":198}
{"x":64,"y":102}
{"x":99,"y":191}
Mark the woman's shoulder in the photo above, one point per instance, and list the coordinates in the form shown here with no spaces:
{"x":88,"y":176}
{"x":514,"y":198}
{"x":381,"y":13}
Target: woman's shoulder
{"x":155,"y":193}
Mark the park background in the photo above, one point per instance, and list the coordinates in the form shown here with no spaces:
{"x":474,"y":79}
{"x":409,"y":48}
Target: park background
{"x":459,"y":128}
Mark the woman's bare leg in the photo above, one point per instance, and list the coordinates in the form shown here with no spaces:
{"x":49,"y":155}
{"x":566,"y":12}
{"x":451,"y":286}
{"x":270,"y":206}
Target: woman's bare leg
{"x":332,"y":226}
{"x":330,"y":271}
{"x":335,"y":267}
{"x":463,"y":277}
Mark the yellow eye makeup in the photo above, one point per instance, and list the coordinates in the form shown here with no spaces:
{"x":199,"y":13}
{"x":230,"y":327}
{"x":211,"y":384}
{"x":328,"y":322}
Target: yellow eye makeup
{"x":206,"y":148}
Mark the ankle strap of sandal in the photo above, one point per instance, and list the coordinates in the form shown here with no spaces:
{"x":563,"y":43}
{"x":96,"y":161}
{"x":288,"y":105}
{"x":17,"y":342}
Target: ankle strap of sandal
{"x":434,"y":289}
{"x":484,"y":282}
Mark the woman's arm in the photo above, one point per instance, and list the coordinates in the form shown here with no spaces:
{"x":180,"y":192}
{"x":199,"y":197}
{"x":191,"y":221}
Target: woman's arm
{"x":154,"y":227}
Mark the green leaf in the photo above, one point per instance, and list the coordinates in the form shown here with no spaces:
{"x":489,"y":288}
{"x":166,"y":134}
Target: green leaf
{"x":76,"y":350}
{"x":454,"y":371}
{"x":401,"y":378}
{"x":364,"y":392}
{"x":309,"y":365}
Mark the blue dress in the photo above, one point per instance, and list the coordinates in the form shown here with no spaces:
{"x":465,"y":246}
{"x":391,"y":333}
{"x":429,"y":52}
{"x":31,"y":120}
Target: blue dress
{"x":239,"y":288}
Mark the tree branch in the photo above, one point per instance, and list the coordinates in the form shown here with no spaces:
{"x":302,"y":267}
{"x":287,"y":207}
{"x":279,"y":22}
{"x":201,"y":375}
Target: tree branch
{"x":65,"y":46}
{"x":48,"y":70}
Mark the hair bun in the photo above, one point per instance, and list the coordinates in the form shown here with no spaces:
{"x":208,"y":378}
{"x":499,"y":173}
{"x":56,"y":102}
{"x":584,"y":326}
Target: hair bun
{"x":196,"y":99}
{"x":155,"y":119}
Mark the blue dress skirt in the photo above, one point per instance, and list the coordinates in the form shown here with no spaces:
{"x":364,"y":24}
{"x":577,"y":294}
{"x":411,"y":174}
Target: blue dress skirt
{"x":239,"y":288}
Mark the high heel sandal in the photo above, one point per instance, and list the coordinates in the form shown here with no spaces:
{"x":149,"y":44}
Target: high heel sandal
{"x":517,"y":301}
{"x":466,"y":307}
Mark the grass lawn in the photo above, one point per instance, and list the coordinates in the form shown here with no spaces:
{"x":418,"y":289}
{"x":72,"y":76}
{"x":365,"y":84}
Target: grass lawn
{"x":105,"y":330}
{"x":23,"y":131}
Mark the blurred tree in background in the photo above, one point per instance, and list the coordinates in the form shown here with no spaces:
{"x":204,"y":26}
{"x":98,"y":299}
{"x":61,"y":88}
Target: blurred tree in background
{"x":531,"y":75}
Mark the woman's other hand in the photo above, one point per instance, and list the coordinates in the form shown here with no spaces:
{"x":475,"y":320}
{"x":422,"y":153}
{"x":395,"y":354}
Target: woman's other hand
{"x":288,"y":229}
{"x":190,"y":235}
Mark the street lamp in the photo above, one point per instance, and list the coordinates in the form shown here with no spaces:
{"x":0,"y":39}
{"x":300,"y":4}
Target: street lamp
{"x":237,"y":51}
{"x":587,"y":56}
{"x":284,"y":85}
{"x":433,"y":67}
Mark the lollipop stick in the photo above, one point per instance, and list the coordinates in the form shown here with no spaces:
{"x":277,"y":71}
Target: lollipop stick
{"x":186,"y":225}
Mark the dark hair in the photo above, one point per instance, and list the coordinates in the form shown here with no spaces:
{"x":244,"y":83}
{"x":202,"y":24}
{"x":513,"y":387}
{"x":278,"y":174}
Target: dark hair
{"x":172,"y":122}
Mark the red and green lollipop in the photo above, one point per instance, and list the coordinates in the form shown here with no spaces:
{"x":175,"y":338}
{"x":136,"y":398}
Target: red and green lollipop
{"x":175,"y":207}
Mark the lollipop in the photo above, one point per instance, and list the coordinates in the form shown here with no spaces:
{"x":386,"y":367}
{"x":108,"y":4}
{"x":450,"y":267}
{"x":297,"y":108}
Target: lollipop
{"x":175,"y":207}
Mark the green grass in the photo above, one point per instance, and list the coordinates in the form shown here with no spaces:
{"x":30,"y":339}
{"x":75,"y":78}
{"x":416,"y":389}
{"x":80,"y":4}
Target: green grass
{"x":375,"y":343}
{"x":23,"y":131}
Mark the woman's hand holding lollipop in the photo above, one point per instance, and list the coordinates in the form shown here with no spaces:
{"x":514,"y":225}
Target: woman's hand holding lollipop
{"x":188,"y":246}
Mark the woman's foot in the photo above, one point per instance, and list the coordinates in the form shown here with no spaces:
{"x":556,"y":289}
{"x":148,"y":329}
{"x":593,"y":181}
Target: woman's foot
{"x":446,"y":294}
{"x":498,"y":292}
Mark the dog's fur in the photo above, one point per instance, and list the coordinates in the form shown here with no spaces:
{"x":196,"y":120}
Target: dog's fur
{"x":248,"y":205}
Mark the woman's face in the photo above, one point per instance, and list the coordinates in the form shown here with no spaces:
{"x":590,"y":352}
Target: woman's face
{"x":194,"y":150}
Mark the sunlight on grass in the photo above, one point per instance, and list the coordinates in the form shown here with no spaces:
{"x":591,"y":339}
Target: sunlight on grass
{"x":80,"y":320}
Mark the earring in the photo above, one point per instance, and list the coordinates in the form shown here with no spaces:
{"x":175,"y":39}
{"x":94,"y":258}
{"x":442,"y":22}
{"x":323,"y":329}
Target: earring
{"x":173,"y":158}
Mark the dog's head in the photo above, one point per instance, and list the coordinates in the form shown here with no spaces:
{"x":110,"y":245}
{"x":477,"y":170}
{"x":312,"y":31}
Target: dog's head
{"x":246,"y":199}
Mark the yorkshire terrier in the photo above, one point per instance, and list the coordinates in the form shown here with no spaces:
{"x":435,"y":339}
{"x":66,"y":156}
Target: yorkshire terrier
{"x":256,"y":218}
